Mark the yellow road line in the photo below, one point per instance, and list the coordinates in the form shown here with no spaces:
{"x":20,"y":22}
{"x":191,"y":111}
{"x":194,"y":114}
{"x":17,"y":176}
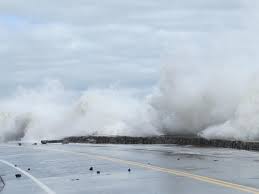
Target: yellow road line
{"x":166,"y":170}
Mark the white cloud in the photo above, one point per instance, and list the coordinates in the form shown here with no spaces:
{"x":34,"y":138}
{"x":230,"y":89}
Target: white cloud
{"x":100,"y":43}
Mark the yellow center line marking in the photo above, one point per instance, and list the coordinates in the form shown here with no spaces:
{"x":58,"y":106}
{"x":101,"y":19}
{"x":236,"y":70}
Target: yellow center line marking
{"x":161,"y":169}
{"x":166,"y":170}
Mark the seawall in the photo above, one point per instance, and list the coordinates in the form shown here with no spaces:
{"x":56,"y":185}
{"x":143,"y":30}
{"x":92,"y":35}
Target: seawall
{"x":179,"y":140}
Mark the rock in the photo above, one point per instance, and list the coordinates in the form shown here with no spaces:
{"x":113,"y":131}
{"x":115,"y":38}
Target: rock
{"x":51,"y":141}
{"x":91,"y":168}
{"x":43,"y":141}
{"x":28,"y":169}
{"x":98,"y":172}
{"x":19,"y":144}
{"x":18,"y":175}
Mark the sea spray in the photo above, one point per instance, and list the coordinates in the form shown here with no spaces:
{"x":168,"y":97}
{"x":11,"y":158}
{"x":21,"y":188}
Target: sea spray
{"x":51,"y":111}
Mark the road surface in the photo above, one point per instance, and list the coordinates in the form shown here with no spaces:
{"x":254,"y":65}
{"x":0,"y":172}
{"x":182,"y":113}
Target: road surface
{"x":155,"y":169}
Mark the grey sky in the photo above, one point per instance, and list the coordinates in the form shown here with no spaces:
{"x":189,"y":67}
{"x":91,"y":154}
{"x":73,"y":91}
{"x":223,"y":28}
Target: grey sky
{"x":98,"y":43}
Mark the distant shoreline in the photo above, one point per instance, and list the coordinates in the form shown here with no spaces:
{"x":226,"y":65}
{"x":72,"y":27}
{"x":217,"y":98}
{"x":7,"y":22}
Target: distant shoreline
{"x":165,"y":139}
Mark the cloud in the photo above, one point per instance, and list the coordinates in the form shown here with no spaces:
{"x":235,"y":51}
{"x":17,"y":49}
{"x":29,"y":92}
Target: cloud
{"x":100,"y":43}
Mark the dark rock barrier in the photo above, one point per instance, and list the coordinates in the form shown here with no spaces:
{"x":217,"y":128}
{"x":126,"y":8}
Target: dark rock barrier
{"x":179,"y":140}
{"x":167,"y":139}
{"x":51,"y":141}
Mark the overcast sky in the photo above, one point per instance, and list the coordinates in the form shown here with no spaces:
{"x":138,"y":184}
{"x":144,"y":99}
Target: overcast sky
{"x":99,"y":43}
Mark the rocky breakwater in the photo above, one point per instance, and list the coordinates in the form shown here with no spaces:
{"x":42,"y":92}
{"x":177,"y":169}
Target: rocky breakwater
{"x":179,"y":140}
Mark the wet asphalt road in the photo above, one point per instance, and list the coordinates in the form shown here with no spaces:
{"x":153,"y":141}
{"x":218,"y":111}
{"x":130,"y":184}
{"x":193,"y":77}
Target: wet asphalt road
{"x":155,"y":169}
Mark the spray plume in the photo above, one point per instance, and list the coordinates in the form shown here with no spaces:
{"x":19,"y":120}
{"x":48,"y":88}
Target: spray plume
{"x":210,"y":88}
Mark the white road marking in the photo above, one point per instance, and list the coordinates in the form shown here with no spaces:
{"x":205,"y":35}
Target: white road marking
{"x":155,"y":168}
{"x":164,"y":170}
{"x":35,"y":180}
